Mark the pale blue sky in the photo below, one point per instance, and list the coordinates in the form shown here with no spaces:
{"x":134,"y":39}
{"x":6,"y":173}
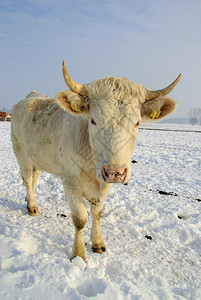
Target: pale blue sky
{"x":147,"y":41}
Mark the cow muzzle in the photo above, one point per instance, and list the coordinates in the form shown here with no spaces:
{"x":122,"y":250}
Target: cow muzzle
{"x":114,"y":174}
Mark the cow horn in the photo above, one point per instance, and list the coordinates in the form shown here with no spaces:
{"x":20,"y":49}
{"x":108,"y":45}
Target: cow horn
{"x":151,"y":95}
{"x":73,"y":86}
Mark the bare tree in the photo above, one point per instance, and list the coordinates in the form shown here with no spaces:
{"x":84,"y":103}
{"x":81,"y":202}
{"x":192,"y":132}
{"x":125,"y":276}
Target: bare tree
{"x":194,"y":116}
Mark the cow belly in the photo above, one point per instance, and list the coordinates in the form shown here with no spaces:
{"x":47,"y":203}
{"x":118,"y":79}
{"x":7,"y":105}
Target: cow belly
{"x":47,"y":161}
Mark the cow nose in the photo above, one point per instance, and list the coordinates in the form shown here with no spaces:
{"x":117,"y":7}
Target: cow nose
{"x":114,"y":174}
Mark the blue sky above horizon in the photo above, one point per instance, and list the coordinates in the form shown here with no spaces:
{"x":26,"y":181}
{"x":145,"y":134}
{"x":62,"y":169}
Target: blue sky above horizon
{"x":147,"y":41}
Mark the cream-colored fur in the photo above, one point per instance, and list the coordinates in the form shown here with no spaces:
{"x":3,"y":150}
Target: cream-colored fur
{"x":59,"y":137}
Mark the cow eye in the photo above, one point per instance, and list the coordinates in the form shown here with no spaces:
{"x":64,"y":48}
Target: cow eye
{"x":137,"y":124}
{"x":93,"y":121}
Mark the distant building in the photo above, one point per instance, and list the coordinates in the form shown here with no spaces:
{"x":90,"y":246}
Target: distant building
{"x":3,"y":116}
{"x":8,"y":118}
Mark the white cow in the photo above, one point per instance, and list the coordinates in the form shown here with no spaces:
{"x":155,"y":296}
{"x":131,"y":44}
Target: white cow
{"x":86,"y":136}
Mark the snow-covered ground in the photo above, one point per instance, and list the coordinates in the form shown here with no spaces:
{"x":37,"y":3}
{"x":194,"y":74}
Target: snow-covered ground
{"x":153,"y":239}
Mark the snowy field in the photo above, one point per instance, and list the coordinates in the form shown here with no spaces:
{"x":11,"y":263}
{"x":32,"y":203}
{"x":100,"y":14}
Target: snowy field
{"x":151,"y":228}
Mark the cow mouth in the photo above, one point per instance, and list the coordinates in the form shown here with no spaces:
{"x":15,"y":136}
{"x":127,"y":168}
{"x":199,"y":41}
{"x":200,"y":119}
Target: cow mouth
{"x":114,"y":174}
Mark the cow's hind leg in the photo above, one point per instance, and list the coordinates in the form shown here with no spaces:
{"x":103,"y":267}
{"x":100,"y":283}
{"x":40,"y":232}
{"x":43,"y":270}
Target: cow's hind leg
{"x":30,"y":181}
{"x":31,"y":204}
{"x":35,"y":175}
{"x":29,"y":174}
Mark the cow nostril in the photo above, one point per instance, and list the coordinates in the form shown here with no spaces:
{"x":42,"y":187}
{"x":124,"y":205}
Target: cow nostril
{"x":105,"y":172}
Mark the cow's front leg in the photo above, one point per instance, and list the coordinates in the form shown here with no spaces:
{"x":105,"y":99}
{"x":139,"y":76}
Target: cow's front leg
{"x":79,"y":220}
{"x":79,"y":216}
{"x":96,"y":234}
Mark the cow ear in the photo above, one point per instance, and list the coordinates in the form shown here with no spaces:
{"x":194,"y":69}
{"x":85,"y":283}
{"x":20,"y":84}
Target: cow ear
{"x":158,"y":108}
{"x":72,"y":102}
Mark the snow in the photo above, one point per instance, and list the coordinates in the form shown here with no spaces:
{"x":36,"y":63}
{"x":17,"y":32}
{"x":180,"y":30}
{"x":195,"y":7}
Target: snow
{"x":153,"y":240}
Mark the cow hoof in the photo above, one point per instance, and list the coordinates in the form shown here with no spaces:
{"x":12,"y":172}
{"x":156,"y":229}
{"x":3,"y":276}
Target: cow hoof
{"x":98,"y":249}
{"x":33,"y":211}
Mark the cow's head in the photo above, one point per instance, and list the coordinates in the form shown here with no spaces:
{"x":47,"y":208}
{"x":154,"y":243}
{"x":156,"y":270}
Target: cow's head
{"x":114,"y":108}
